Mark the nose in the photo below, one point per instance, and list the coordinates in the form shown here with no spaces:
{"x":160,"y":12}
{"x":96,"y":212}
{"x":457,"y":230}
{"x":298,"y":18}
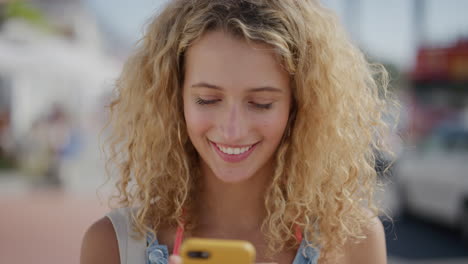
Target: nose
{"x":234,"y":125}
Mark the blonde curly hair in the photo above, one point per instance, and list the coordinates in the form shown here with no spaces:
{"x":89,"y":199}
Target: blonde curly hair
{"x":324,"y":179}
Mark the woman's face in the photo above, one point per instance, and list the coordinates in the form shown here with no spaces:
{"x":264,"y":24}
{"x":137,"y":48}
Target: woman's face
{"x":236,"y":104}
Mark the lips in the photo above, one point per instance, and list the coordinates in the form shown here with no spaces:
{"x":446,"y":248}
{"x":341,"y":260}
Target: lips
{"x":233,"y":153}
{"x":233,"y":150}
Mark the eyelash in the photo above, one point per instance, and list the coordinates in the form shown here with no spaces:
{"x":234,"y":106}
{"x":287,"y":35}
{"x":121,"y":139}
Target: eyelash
{"x":209,"y":102}
{"x":263,"y":106}
{"x":206,"y":102}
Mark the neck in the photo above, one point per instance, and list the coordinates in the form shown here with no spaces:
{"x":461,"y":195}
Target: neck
{"x":231,"y":209}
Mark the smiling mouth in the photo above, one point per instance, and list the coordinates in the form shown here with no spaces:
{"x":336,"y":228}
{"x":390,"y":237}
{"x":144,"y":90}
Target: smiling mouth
{"x":233,"y":150}
{"x":231,"y":153}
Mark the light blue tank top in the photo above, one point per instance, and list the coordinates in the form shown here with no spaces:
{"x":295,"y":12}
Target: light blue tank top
{"x":159,"y":254}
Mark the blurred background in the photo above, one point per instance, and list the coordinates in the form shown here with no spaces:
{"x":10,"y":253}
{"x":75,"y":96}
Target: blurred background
{"x":58,"y":63}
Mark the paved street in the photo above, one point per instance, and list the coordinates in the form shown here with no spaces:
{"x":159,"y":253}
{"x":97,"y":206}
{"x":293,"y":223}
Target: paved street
{"x":45,"y":227}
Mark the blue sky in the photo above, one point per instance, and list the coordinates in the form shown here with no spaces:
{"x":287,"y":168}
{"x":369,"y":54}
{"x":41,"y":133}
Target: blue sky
{"x":381,"y":27}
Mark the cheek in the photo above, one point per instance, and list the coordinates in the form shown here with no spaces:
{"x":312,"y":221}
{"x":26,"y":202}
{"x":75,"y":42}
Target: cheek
{"x":274,"y":130}
{"x":198,"y":122}
{"x":273,"y":126}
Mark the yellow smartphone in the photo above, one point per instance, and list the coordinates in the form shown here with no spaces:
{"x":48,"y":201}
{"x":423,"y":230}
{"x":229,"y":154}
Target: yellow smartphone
{"x":217,"y":251}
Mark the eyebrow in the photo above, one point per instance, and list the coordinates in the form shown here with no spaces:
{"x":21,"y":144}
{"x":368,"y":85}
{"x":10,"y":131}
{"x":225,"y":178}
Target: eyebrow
{"x":257,"y":89}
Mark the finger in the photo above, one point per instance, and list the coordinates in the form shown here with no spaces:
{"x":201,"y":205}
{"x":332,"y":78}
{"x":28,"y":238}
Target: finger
{"x":173,"y":259}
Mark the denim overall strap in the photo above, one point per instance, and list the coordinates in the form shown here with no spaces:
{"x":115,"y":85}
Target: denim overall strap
{"x":155,"y":253}
{"x":306,"y":254}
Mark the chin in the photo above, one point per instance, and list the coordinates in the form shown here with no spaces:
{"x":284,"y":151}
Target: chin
{"x":232,"y":177}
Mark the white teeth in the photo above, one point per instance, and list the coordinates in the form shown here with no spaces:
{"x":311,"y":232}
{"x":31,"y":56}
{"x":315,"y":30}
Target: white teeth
{"x":233,"y":151}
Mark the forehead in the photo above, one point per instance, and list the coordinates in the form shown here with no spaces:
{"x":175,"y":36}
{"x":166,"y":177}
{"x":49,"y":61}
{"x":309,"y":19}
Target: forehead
{"x":219,"y":58}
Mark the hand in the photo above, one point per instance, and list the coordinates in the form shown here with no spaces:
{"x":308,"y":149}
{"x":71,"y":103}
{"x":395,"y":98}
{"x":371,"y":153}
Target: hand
{"x":173,"y":259}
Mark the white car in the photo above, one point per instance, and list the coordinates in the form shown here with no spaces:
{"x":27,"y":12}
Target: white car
{"x":433,"y":178}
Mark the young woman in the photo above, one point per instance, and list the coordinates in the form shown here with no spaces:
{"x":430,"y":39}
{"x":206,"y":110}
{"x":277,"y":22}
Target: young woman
{"x":245,"y":119}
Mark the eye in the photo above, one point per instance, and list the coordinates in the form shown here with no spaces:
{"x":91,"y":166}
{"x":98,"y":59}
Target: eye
{"x":201,"y":101}
{"x":262,"y":106}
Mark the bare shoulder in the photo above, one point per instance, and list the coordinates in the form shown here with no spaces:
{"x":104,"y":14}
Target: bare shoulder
{"x":100,"y":244}
{"x":370,"y":250}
